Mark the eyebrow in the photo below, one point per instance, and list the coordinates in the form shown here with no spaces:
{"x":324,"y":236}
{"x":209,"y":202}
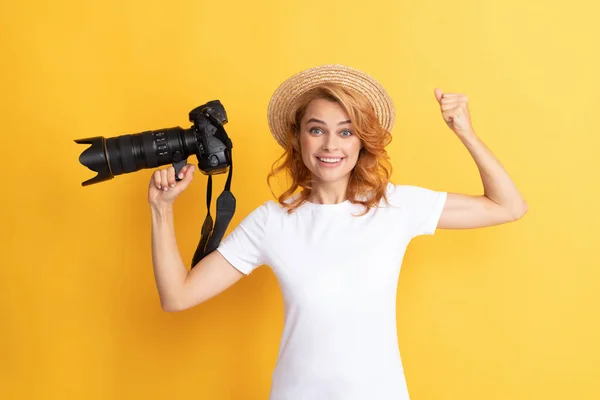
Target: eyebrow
{"x":322,"y":122}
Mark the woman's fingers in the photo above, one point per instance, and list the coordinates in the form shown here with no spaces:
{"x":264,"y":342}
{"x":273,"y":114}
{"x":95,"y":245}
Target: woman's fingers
{"x":183,"y":171}
{"x":171,"y":176}
{"x":156,"y":180}
{"x":164,"y":179}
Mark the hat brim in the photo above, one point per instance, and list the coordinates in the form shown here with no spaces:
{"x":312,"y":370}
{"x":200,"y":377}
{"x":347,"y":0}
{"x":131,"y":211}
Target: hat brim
{"x":308,"y":79}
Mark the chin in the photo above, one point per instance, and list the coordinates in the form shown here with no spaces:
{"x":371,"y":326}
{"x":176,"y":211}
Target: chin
{"x":331,"y":177}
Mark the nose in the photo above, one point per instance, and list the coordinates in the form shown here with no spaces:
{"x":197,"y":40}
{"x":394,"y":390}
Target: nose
{"x":330,"y":142}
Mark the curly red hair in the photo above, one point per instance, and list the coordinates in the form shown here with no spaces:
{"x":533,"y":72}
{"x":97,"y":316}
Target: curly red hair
{"x":369,"y":178}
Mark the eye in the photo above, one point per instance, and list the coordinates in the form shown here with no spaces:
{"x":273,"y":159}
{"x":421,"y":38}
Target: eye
{"x":316,"y":131}
{"x":346,"y":133}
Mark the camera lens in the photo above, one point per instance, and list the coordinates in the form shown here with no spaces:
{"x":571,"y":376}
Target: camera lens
{"x":128,"y":153}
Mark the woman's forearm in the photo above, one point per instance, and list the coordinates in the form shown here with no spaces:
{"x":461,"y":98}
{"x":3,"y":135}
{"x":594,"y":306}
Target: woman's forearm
{"x":169,"y":271}
{"x":497,"y":184}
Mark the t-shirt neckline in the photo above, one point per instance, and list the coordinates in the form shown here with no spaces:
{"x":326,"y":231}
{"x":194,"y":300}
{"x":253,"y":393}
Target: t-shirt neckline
{"x":342,"y":204}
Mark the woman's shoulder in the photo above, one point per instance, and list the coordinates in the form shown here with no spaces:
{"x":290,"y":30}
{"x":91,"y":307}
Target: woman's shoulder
{"x":402,"y":193}
{"x":267,"y":209}
{"x":395,"y":191}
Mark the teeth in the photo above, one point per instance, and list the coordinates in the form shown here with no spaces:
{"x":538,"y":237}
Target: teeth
{"x":330,"y":160}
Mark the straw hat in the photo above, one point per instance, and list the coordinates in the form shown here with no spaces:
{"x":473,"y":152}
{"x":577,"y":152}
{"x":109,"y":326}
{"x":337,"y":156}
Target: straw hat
{"x":308,"y":79}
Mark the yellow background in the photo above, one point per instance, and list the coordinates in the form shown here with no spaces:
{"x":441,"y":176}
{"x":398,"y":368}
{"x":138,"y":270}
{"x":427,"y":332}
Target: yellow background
{"x":509,"y":312}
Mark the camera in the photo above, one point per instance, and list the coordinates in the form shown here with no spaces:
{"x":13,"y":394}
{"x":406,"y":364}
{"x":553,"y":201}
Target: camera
{"x":206,"y":138}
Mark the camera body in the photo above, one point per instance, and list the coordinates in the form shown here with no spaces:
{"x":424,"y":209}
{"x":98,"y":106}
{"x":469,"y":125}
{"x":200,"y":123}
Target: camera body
{"x":206,"y":138}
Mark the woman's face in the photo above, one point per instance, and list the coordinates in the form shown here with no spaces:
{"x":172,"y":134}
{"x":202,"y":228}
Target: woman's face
{"x":329,"y":146}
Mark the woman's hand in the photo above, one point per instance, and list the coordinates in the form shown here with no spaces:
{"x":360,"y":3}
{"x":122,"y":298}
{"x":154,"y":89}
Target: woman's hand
{"x":455,"y":111}
{"x":164,"y":189}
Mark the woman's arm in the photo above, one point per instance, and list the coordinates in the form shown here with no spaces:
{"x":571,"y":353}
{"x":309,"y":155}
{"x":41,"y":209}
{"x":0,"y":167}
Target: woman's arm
{"x":178,"y":288}
{"x":501,"y":201}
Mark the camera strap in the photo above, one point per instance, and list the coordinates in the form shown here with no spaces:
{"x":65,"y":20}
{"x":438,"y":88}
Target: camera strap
{"x":211,"y":237}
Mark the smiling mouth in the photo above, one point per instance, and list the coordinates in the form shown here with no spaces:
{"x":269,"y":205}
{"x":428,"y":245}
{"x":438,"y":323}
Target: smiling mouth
{"x":330,"y":160}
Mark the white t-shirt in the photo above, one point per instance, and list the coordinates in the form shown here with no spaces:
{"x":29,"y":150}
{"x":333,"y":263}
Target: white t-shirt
{"x":338,"y":275}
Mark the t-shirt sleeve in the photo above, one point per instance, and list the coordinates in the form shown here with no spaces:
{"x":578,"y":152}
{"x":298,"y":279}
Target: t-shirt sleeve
{"x":423,"y":208}
{"x":243,"y":247}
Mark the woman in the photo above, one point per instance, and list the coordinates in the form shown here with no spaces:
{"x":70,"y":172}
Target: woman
{"x":337,"y":244}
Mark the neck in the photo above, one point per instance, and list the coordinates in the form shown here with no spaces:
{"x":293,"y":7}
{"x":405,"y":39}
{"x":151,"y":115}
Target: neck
{"x":328,"y":193}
